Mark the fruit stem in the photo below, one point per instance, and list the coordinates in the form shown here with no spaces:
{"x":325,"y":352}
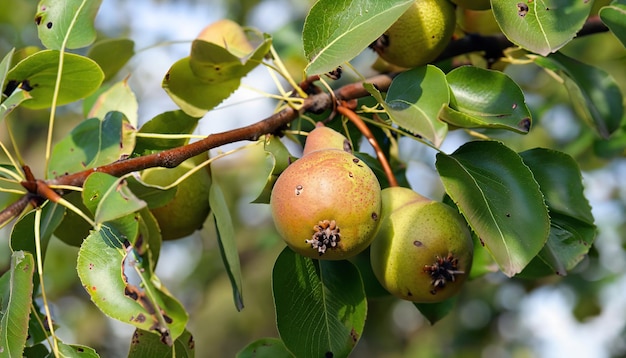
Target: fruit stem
{"x":364,"y":129}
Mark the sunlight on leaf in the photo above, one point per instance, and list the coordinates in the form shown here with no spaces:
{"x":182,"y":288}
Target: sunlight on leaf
{"x":336,"y":31}
{"x":54,"y":18}
{"x":500,"y":200}
{"x":613,"y":16}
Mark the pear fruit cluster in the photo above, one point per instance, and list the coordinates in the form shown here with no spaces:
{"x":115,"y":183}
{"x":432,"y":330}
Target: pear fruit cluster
{"x":423,"y":249}
{"x":419,"y":35}
{"x":327,"y":204}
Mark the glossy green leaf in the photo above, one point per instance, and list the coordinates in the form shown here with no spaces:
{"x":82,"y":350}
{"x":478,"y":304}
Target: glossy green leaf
{"x":147,"y":345}
{"x":414,"y":100}
{"x":5,"y":65}
{"x":56,"y":18}
{"x":226,"y":240}
{"x":277,"y":159}
{"x":74,"y":351}
{"x":117,"y":276}
{"x":500,"y":199}
{"x":192,"y":94}
{"x":269,"y":164}
{"x":111,"y":55}
{"x":216,"y":64}
{"x":572,"y":228}
{"x":112,"y":197}
{"x":336,"y":31}
{"x":322,"y":313}
{"x":16,"y":290}
{"x":23,"y":233}
{"x":37,"y":75}
{"x":118,"y":98}
{"x":541,"y":26}
{"x":594,"y":93}
{"x":434,"y":312}
{"x":265,"y":348}
{"x":614,"y":17}
{"x":93,"y":143}
{"x":485,"y":99}
{"x":172,"y":122}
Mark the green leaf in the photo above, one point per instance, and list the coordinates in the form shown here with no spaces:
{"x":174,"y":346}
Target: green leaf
{"x":23,"y":233}
{"x":55,"y":18}
{"x":16,"y":290}
{"x":485,"y":99}
{"x":147,"y":345}
{"x":434,"y":312}
{"x":118,"y":98}
{"x":192,"y":94}
{"x":93,"y":143}
{"x":111,"y":197}
{"x":37,"y":75}
{"x":15,"y":99}
{"x":115,"y":272}
{"x":5,"y":65}
{"x":74,"y":351}
{"x":500,"y":199}
{"x":277,"y":159}
{"x":595,"y":94}
{"x":73,"y":229}
{"x":111,"y":55}
{"x":336,"y":31}
{"x":153,"y":195}
{"x":265,"y":348}
{"x":320,"y":305}
{"x":414,"y":100}
{"x":173,"y":122}
{"x":226,"y":240}
{"x":613,"y":17}
{"x":541,"y":26}
{"x":572,"y":228}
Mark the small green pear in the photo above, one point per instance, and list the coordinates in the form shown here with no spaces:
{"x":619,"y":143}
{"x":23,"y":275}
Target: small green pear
{"x":423,"y":249}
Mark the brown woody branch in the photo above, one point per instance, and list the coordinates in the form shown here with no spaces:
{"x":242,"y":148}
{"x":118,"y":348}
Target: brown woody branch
{"x":491,"y":46}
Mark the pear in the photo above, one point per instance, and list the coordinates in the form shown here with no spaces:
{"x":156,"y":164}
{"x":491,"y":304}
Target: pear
{"x":419,"y":35}
{"x":323,"y":137}
{"x":327,"y":204}
{"x":423,"y":249}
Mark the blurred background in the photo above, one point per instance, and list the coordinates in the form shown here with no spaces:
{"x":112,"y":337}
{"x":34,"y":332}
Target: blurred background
{"x":580,"y":315}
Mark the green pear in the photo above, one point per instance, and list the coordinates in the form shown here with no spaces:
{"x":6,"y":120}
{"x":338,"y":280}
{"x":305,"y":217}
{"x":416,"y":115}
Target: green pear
{"x":186,"y":212}
{"x":327,"y":205}
{"x":323,"y":137}
{"x":423,"y":249}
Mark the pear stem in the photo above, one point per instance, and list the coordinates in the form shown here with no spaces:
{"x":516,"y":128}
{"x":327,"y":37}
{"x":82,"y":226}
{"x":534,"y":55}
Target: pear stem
{"x":358,"y":122}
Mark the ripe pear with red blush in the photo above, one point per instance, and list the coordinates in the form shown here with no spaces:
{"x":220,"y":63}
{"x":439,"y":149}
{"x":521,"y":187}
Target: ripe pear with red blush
{"x":423,"y":249}
{"x":326,"y":205}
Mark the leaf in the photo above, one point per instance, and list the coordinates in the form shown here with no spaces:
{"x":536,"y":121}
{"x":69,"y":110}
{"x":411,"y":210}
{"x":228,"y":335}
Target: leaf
{"x":277,"y":159}
{"x":37,"y":75}
{"x":74,"y":351}
{"x":572,"y":225}
{"x":16,"y":290}
{"x":73,"y":229}
{"x":93,"y":143}
{"x":23,"y":233}
{"x":15,"y":99}
{"x":336,"y":31}
{"x":111,"y":197}
{"x":414,"y":100}
{"x":434,"y":312}
{"x":320,"y":305}
{"x":119,"y":98}
{"x":55,"y":18}
{"x":541,"y":26}
{"x":172,"y":122}
{"x":5,"y":65}
{"x":147,"y":345}
{"x":111,"y":55}
{"x":115,"y":272}
{"x":226,"y":240}
{"x":613,"y":17}
{"x":595,"y":94}
{"x":265,"y":348}
{"x":192,"y":94}
{"x":500,"y":199}
{"x":485,"y":99}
